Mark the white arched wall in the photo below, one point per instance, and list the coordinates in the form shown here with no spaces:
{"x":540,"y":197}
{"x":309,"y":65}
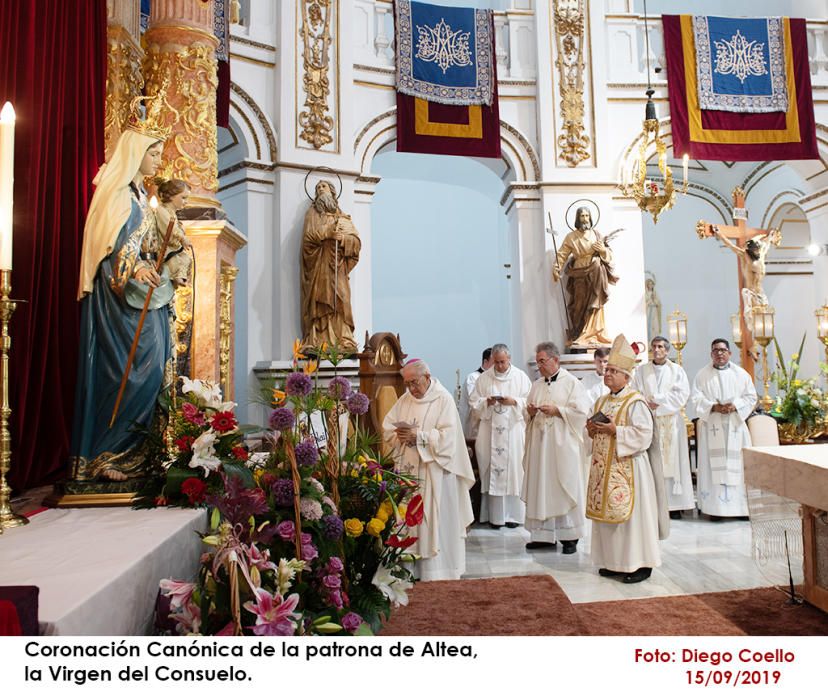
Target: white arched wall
{"x":522,"y":204}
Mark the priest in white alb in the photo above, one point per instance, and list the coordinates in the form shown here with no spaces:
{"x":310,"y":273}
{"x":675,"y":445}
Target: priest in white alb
{"x":468,"y":418}
{"x":625,"y":495}
{"x":665,"y":388}
{"x":724,"y":397}
{"x":553,"y":487}
{"x":499,"y":400}
{"x":423,"y":427}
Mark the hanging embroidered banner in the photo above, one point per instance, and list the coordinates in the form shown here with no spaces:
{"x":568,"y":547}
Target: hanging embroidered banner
{"x":717,"y":134}
{"x":451,"y":130}
{"x":445,"y":54}
{"x":740,"y":63}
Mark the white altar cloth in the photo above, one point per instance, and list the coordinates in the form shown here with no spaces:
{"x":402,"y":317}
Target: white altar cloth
{"x":98,"y":568}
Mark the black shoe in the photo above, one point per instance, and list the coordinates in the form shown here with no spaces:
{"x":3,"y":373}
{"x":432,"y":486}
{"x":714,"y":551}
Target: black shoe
{"x":675,"y":515}
{"x":495,"y":527}
{"x":569,"y":546}
{"x":541,"y":545}
{"x":610,"y":573}
{"x":512,"y":525}
{"x":637,"y":576}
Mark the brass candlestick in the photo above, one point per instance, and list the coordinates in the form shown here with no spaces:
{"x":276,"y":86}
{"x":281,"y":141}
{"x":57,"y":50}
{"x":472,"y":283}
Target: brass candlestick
{"x":822,"y":327}
{"x":677,"y":330}
{"x":8,"y":518}
{"x":763,"y":332}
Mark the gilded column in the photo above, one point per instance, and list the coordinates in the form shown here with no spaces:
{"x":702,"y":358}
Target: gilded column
{"x":123,"y":70}
{"x":181,"y":47}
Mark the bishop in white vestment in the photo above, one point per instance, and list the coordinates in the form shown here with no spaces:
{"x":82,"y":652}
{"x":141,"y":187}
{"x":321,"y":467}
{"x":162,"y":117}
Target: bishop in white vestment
{"x":625,"y":495}
{"x":424,"y":428}
{"x":724,"y":397}
{"x":553,"y":487}
{"x":499,"y":399}
{"x":665,"y":388}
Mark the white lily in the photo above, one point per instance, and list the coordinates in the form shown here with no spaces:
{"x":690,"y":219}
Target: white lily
{"x":392,"y":587}
{"x":204,"y":454}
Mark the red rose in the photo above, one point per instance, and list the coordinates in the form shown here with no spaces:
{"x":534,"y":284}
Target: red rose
{"x":184,"y":443}
{"x":240,"y":453}
{"x":194,"y":489}
{"x":414,"y":513}
{"x":223,"y":421}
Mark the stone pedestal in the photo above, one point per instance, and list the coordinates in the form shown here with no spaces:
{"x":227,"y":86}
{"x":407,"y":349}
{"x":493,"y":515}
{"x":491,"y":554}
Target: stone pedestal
{"x":215,"y":244}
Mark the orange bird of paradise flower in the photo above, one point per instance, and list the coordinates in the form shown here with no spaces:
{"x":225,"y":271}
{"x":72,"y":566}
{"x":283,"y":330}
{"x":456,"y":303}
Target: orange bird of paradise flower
{"x":278,"y":397}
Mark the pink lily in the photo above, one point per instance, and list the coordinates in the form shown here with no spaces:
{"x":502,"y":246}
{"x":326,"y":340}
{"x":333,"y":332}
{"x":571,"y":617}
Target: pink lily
{"x":189,"y":619}
{"x":179,"y":592}
{"x":274,"y":615}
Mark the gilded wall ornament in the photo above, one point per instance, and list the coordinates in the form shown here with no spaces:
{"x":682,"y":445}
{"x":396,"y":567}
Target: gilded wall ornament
{"x":573,"y":143}
{"x":123,"y":82}
{"x":228,"y":277}
{"x":315,"y":35}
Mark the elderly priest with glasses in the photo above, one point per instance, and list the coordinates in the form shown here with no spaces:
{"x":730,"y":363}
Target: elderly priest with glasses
{"x":625,"y":496}
{"x":424,"y":428}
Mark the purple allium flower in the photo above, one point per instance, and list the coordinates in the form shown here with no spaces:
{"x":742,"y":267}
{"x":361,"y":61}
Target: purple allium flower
{"x":309,"y":552}
{"x":332,"y":527}
{"x":310,"y":508}
{"x":306,"y":453}
{"x":298,"y":384}
{"x":282,"y":491}
{"x":351,"y":622}
{"x":358,"y":403}
{"x":282,"y":419}
{"x":286,"y":530}
{"x":339,"y":388}
{"x":332,"y":581}
{"x":334,"y":565}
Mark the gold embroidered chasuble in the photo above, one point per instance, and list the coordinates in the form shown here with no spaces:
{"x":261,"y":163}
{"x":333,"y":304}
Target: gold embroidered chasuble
{"x":611,"y":487}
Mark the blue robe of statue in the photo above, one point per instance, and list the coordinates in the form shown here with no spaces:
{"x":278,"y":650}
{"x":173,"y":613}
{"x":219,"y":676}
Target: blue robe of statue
{"x":109,"y":318}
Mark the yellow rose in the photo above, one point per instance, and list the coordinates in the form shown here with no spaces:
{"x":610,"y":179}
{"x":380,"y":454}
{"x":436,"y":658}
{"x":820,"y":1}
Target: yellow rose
{"x":361,"y":459}
{"x":384,"y":511}
{"x":402,"y":511}
{"x":375,"y":527}
{"x":353,"y":527}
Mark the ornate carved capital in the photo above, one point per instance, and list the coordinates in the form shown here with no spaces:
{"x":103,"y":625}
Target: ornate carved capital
{"x":573,"y":143}
{"x":315,"y":39}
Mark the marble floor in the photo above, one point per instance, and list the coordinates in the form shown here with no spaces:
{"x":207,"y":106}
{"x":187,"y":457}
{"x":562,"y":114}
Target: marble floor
{"x":699,"y":556}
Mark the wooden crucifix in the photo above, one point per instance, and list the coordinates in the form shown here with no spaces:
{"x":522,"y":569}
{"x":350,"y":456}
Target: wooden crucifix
{"x":751,"y":247}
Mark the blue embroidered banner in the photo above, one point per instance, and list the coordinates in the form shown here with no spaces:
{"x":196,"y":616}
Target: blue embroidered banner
{"x":740,"y":63}
{"x":445,"y":54}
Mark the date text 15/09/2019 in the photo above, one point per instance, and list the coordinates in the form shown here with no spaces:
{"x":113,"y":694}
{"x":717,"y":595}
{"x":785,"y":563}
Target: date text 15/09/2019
{"x":715,"y":658}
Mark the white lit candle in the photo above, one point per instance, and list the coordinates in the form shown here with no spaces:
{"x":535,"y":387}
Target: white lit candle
{"x":6,"y":184}
{"x":684,"y":164}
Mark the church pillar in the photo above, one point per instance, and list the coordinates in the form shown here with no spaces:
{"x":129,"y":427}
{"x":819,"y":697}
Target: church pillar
{"x":181,"y":53}
{"x":123,"y":67}
{"x":361,"y":279}
{"x":181,"y":49}
{"x":215,"y":244}
{"x":530,"y":289}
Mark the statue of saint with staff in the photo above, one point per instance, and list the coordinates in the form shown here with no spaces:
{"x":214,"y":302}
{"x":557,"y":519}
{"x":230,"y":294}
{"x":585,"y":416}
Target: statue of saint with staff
{"x":330,"y":250}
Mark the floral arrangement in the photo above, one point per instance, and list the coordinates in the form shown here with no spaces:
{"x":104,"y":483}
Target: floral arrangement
{"x":802,"y":402}
{"x":313,"y":538}
{"x":202,"y":440}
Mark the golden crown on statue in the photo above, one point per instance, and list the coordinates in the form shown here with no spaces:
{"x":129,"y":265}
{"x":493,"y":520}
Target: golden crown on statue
{"x":157,"y":109}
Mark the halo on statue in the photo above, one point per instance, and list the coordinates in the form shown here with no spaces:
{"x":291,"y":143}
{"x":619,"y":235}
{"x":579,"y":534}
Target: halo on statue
{"x":594,"y":212}
{"x":322,"y":169}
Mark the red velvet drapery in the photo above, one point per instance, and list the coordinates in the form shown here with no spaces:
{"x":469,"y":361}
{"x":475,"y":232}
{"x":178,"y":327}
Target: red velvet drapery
{"x":53,"y":70}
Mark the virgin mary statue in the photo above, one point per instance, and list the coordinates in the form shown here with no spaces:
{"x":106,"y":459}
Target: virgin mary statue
{"x":120,"y":244}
